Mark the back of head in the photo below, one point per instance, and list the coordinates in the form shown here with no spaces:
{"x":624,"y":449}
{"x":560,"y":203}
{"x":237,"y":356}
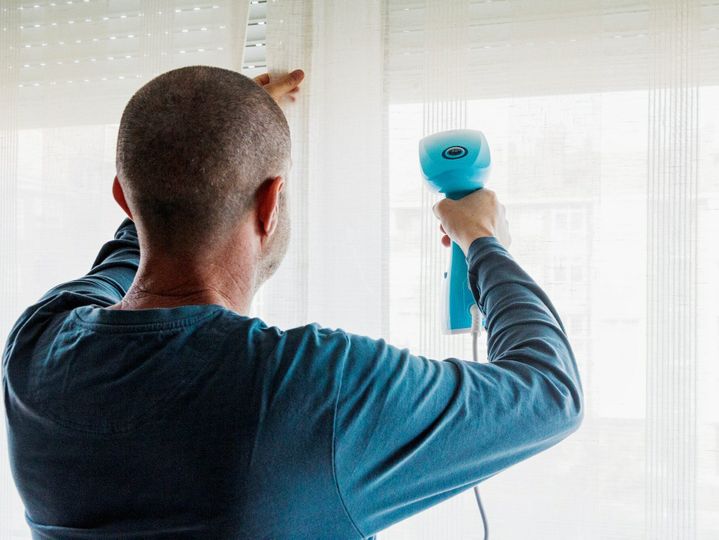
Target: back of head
{"x":193,"y":147}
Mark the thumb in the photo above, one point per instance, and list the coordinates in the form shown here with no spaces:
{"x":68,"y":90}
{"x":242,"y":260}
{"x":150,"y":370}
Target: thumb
{"x":438,"y":207}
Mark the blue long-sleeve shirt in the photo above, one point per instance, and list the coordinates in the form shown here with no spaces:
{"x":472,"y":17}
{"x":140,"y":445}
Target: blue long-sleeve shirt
{"x":198,"y":422}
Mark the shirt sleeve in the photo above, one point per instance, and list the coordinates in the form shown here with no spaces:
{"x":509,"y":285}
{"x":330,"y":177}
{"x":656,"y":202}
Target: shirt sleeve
{"x":111,"y":274}
{"x":411,"y":432}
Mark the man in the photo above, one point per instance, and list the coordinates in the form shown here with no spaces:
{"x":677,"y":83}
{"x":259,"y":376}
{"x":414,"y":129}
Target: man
{"x":143,"y":402}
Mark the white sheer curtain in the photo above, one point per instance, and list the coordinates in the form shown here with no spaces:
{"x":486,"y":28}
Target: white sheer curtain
{"x":601,"y":119}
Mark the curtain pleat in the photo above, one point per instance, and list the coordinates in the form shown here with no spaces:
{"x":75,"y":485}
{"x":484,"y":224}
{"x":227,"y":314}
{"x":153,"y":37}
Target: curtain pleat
{"x":10,"y":509}
{"x":337,"y":188}
{"x":672,"y":272}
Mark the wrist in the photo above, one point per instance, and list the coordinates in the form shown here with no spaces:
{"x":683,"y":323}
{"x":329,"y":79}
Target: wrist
{"x":468,"y":240}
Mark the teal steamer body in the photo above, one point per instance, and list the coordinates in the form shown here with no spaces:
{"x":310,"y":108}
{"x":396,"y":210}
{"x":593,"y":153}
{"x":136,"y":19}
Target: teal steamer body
{"x":456,"y":163}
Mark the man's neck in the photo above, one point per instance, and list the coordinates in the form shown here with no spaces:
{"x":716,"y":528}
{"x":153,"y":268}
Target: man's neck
{"x":165,"y":283}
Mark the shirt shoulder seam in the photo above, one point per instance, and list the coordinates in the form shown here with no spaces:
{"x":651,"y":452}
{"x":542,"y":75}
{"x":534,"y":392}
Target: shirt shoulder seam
{"x":334,"y":467}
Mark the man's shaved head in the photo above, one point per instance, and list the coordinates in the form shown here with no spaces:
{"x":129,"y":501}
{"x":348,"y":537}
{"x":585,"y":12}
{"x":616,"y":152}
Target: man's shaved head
{"x":194,"y":146}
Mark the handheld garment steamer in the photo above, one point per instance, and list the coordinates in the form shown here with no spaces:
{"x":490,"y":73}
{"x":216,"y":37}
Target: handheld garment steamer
{"x":456,"y":163}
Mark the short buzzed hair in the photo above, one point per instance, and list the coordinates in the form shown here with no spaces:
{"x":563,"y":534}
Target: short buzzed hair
{"x":193,"y":147}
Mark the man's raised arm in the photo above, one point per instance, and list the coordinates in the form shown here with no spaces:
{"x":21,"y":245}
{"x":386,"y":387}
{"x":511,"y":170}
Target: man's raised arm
{"x":412,"y":431}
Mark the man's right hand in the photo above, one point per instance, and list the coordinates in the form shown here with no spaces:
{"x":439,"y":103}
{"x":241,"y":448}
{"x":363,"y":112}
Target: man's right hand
{"x":476,"y":215}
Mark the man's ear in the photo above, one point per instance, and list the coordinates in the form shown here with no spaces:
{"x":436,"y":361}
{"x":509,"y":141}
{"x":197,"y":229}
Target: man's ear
{"x":119,"y":196}
{"x":268,"y":204}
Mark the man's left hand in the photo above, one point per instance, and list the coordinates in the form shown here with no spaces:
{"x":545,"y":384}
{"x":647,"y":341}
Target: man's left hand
{"x":283,"y":86}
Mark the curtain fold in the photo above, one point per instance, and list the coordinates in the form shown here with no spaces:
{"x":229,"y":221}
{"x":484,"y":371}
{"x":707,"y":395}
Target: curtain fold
{"x":672,"y":211}
{"x":338,"y":186}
